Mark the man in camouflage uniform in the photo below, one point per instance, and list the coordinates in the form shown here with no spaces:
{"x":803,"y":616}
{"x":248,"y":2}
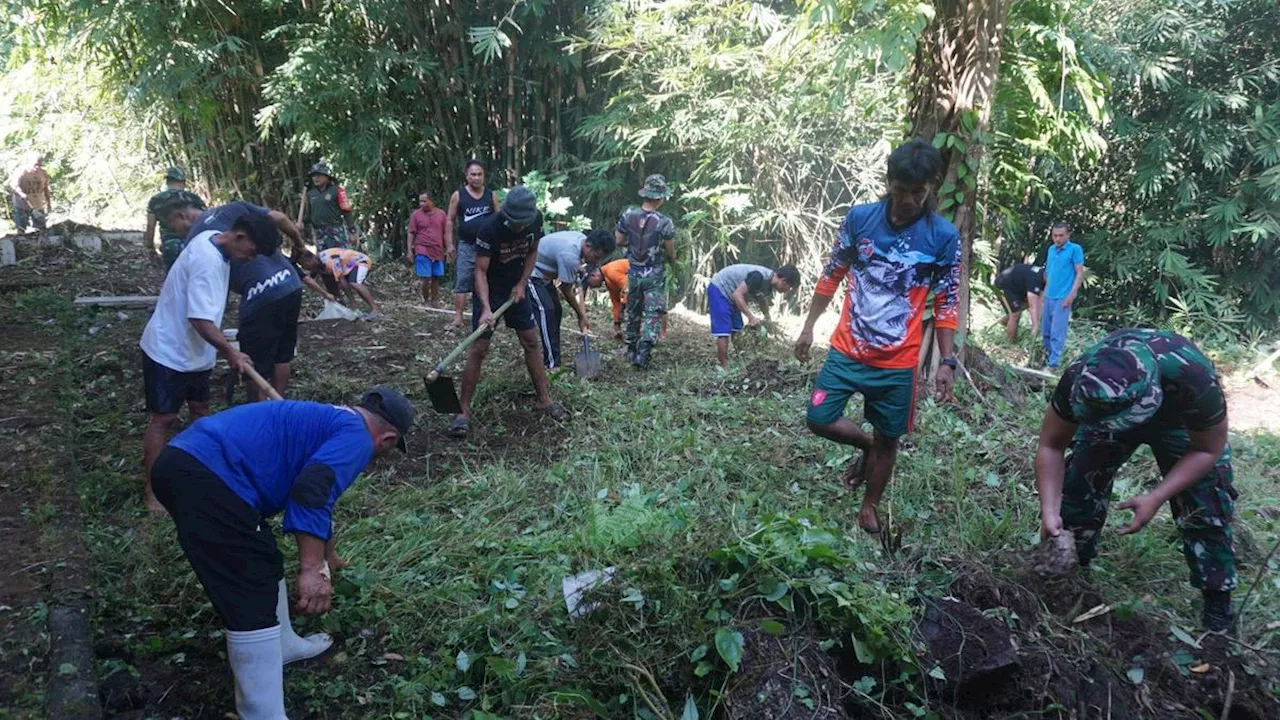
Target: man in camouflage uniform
{"x":1154,"y":388}
{"x":327,"y":212}
{"x":649,"y":239}
{"x":158,"y":209}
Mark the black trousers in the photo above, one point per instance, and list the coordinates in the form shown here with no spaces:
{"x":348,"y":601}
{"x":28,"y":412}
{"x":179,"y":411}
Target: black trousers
{"x":227,"y":542}
{"x":548,"y":312}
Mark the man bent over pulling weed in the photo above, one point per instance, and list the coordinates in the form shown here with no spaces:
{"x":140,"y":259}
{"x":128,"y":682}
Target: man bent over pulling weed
{"x":1143,"y":387}
{"x":225,"y":475}
{"x":895,"y":252}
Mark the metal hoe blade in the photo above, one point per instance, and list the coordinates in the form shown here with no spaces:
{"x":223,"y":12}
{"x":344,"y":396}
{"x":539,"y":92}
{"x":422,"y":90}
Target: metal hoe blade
{"x":444,"y":396}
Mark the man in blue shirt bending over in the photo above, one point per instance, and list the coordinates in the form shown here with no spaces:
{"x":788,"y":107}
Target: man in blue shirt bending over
{"x":220,"y":480}
{"x":1063,"y":273}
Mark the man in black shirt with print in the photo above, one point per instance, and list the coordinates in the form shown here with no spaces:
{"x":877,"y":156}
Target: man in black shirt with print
{"x":1021,"y":286}
{"x":506,"y":251}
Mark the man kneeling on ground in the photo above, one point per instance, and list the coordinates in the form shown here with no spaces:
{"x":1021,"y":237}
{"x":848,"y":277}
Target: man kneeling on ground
{"x":728,"y":294}
{"x":560,"y":256}
{"x":225,"y":475}
{"x":342,"y":269}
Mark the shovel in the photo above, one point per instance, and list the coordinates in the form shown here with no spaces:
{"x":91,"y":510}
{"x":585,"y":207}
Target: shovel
{"x":444,"y":396}
{"x":587,"y":360}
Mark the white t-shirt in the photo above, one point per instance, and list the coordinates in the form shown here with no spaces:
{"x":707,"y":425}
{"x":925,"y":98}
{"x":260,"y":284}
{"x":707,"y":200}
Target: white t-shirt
{"x":196,"y":288}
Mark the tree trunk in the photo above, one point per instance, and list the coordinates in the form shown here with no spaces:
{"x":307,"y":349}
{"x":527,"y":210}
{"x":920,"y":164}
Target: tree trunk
{"x":954,"y":76}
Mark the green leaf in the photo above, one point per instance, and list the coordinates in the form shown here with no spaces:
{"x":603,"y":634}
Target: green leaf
{"x":773,"y":627}
{"x":1136,"y":674}
{"x":690,"y":709}
{"x":463,"y":661}
{"x":937,"y":673}
{"x":439,"y":700}
{"x":703,"y":669}
{"x":1184,"y":636}
{"x":863,"y":653}
{"x":729,"y":646}
{"x":698,"y":653}
{"x":466,"y":693}
{"x":67,"y":669}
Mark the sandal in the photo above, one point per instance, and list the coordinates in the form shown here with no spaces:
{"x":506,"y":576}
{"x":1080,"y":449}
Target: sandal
{"x":459,"y":428}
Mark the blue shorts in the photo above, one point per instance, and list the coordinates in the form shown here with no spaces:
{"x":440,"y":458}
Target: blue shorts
{"x":425,"y":267}
{"x":726,"y":318}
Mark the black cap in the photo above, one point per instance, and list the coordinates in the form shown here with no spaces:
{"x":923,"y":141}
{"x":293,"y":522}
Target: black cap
{"x":391,"y":406}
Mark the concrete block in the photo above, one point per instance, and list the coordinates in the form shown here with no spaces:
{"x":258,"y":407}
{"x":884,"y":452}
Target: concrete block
{"x":88,"y":243}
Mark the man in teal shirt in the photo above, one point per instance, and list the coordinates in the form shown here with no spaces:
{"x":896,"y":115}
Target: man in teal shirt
{"x":1064,"y":271}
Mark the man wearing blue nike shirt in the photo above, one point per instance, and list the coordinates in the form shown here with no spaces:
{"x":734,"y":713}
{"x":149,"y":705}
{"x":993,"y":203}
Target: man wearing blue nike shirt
{"x":221,"y":479}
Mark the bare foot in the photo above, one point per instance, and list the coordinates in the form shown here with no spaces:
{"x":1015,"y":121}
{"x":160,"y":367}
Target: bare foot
{"x":853,"y":472}
{"x":153,"y":505}
{"x":868,"y":519}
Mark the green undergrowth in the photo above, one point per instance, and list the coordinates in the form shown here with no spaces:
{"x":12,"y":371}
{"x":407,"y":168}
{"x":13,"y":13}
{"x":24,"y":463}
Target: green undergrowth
{"x":722,"y":516}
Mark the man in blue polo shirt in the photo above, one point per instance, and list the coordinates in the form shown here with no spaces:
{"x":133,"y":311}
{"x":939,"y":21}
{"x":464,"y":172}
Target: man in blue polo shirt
{"x":1063,"y":271}
{"x":221,"y":479}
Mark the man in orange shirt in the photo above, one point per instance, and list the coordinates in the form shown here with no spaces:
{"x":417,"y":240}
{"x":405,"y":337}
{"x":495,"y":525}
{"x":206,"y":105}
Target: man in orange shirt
{"x":894,"y":252}
{"x":613,"y":275}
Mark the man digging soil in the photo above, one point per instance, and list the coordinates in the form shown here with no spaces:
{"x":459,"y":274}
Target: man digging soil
{"x":894,"y":252}
{"x":221,"y":479}
{"x":1154,"y":388}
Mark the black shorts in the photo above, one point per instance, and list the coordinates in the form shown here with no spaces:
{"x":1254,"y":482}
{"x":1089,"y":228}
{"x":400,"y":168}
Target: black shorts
{"x":517,"y":317}
{"x":1012,"y":302}
{"x":167,"y":389}
{"x":229,"y":545}
{"x":270,"y":336}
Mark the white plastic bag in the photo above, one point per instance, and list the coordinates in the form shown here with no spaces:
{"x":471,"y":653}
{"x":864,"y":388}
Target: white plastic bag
{"x":337,"y":311}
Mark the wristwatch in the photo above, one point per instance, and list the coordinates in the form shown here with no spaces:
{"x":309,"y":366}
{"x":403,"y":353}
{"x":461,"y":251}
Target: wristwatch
{"x":950,"y":362}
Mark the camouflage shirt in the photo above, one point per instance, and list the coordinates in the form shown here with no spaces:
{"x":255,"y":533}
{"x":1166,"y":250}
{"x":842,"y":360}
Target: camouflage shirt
{"x":647,"y":231}
{"x":156,"y":207}
{"x":1192,"y":396}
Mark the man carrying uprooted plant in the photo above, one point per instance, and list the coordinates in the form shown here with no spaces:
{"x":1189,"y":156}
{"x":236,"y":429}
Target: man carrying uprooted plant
{"x":894,"y":252}
{"x":506,"y":252}
{"x":327,"y":211}
{"x":160,"y":206}
{"x":649,"y":237}
{"x":225,"y":475}
{"x":1143,"y":387}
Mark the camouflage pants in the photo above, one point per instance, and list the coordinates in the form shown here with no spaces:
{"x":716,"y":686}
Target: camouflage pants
{"x":170,"y":249}
{"x":1202,"y":512}
{"x":646,"y":304}
{"x":330,"y":237}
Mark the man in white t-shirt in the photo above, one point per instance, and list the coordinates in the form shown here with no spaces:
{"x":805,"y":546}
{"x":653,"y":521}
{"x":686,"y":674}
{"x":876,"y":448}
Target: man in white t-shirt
{"x":184,"y":336}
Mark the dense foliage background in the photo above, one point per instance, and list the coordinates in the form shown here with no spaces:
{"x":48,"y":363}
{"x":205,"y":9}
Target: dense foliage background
{"x":1153,"y":126}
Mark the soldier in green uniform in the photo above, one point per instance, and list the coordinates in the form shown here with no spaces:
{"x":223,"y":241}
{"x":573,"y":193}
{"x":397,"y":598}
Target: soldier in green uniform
{"x":1144,"y":387}
{"x":326,"y":214}
{"x":158,"y":208}
{"x":649,"y":239}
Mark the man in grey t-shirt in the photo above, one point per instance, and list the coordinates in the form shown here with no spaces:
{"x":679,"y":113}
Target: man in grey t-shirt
{"x":560,"y":256}
{"x":729,"y":291}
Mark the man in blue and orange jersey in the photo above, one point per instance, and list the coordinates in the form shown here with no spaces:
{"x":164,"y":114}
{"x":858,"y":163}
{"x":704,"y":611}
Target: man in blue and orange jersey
{"x":894,"y":252}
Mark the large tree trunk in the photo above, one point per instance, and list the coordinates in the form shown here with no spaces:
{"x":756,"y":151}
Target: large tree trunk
{"x":954,"y":77}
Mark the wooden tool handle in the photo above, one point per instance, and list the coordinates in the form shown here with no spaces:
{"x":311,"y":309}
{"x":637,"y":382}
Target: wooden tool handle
{"x":262,"y":384}
{"x":439,"y":368}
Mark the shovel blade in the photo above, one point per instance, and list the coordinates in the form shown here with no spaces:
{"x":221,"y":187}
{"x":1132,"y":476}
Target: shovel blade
{"x":443,"y":395}
{"x":588,"y":364}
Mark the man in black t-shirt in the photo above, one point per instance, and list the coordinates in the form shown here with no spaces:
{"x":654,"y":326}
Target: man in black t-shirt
{"x":506,"y":251}
{"x":1154,"y":388}
{"x":1020,"y":286}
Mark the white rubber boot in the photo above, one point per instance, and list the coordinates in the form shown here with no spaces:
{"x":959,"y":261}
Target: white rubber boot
{"x":255,"y":662}
{"x":293,"y":646}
